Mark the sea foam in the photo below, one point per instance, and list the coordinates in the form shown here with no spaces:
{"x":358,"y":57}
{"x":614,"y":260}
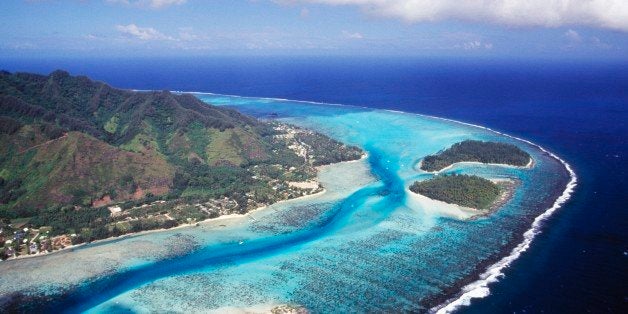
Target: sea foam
{"x":479,"y":288}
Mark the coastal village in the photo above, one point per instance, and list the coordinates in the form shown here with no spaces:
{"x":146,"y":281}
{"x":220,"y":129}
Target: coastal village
{"x":20,"y":240}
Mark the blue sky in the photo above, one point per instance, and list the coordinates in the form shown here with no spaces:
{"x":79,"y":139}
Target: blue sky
{"x":586,"y":29}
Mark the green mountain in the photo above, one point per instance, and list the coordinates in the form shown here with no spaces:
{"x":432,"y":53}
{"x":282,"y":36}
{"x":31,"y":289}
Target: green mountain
{"x":70,"y":142}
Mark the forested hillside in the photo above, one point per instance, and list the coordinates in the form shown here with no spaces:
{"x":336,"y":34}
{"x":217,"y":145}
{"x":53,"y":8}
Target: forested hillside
{"x":70,"y":145}
{"x":69,"y":139}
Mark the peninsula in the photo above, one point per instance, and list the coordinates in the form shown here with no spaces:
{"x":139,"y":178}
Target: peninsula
{"x":82,"y":161}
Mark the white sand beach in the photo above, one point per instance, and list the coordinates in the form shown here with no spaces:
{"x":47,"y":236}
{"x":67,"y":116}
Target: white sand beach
{"x":529,"y":165}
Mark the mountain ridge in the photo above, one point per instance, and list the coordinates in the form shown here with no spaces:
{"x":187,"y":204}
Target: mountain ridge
{"x":73,"y":146}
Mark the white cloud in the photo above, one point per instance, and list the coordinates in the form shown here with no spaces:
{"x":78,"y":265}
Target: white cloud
{"x":474,"y":45}
{"x":187,"y":34}
{"x":352,"y":35}
{"x":143,"y":33}
{"x":576,"y":40}
{"x":465,"y":41}
{"x":573,"y":36}
{"x":600,"y":44}
{"x":304,"y":13}
{"x":610,"y":14}
{"x":22,"y":46}
{"x":155,"y":4}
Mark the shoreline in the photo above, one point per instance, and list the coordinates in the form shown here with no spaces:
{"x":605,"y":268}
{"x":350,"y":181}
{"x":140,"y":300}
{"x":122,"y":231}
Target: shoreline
{"x":529,"y":165}
{"x":487,"y":271}
{"x":70,"y":248}
{"x":475,"y":285}
{"x":461,"y":297}
{"x":508,"y":187}
{"x":442,"y":208}
{"x":145,"y":232}
{"x":505,"y":196}
{"x":125,"y":236}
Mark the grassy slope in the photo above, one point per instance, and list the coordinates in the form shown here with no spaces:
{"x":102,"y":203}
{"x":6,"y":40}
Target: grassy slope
{"x":147,"y":136}
{"x":78,"y":168}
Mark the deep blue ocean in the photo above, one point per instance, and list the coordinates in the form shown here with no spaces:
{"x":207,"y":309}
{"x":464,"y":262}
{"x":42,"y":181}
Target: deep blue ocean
{"x":577,"y":109}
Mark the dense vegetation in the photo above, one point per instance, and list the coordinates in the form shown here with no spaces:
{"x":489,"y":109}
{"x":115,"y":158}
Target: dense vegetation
{"x":70,"y":147}
{"x":327,"y":150}
{"x":464,"y":190}
{"x":478,"y":151}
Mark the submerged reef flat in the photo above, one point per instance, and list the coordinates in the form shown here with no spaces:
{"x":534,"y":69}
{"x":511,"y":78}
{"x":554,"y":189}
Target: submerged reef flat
{"x":364,"y":245}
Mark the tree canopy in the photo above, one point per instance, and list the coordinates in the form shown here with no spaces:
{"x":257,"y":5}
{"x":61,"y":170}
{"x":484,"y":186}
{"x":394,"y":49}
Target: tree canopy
{"x":478,"y":151}
{"x":464,"y":190}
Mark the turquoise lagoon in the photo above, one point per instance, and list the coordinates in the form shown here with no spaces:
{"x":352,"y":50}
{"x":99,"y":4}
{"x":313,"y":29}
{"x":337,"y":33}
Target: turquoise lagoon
{"x":364,"y":245}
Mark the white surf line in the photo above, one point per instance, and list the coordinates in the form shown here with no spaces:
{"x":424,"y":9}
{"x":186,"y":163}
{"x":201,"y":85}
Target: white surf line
{"x":417,"y":166}
{"x":479,"y":288}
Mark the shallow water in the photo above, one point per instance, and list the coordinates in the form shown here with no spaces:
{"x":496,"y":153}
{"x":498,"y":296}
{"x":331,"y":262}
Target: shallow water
{"x":363,"y":245}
